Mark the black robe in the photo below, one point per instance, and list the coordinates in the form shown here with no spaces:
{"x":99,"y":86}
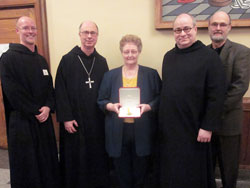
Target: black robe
{"x":192,"y":98}
{"x":27,"y":86}
{"x":84,"y":162}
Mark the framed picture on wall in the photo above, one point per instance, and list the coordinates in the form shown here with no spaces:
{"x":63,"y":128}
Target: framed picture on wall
{"x":167,"y":10}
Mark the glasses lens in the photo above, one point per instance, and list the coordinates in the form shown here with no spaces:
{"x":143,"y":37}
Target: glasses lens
{"x":187,"y":29}
{"x":178,"y":31}
{"x":223,"y":25}
{"x":86,"y":33}
{"x":27,"y":28}
{"x":219,"y":24}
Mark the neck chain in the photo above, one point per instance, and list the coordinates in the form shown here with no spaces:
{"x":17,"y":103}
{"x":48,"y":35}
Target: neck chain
{"x":89,"y":81}
{"x":130,"y":73}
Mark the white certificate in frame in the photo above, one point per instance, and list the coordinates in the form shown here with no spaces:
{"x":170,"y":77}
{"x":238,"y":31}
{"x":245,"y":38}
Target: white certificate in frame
{"x":129,"y":98}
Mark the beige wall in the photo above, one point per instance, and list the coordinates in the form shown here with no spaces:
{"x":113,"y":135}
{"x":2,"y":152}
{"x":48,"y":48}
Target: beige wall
{"x":115,"y":18}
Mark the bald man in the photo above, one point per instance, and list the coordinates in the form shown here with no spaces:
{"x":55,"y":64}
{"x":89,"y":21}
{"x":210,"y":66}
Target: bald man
{"x":236,"y":61}
{"x":29,"y":99}
{"x":84,"y":161}
{"x":190,"y":108}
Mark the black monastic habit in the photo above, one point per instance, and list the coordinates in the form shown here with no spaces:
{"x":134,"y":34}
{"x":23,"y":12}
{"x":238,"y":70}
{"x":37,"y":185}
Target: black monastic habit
{"x":192,"y":98}
{"x":84,"y":162}
{"x":27,"y":86}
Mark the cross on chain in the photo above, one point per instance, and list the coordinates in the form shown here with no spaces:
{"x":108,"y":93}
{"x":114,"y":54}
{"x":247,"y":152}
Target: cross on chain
{"x":90,"y":82}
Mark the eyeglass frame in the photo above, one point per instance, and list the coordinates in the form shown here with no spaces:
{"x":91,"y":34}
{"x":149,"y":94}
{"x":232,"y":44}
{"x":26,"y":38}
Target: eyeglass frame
{"x":186,"y":30}
{"x":222,"y":25}
{"x":87,"y":33}
{"x":27,"y":28}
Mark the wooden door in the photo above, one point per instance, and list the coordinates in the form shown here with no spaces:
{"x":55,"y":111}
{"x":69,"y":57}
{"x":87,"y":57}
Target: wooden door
{"x":10,"y":11}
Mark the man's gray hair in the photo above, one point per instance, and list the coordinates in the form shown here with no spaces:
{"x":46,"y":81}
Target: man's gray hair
{"x":84,"y":22}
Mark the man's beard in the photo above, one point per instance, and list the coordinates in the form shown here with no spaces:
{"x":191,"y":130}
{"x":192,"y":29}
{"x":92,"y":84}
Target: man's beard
{"x":217,"y":38}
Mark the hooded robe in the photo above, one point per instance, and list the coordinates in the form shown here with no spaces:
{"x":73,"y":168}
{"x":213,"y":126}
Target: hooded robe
{"x":191,"y":99}
{"x":84,"y":162}
{"x":27,"y":86}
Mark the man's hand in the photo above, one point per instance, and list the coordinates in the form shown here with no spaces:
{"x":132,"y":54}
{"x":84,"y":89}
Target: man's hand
{"x":43,"y":116}
{"x":113,"y":107}
{"x":69,"y":126}
{"x":204,"y":136}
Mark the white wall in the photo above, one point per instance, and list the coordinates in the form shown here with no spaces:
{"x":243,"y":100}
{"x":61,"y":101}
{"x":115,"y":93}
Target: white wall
{"x":115,"y":18}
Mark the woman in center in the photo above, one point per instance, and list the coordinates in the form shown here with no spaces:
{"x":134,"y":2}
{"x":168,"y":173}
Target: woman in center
{"x":129,"y":141}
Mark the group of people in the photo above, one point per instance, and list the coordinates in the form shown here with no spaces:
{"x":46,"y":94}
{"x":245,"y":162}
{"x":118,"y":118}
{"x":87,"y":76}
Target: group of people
{"x":188,"y":120}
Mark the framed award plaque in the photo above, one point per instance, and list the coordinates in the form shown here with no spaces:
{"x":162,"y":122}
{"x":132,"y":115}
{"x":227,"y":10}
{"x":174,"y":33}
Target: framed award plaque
{"x":129,"y":98}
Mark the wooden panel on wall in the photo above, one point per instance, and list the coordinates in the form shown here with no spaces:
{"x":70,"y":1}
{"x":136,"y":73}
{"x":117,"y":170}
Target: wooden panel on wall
{"x":8,"y":17}
{"x":16,"y":3}
{"x":3,"y":136}
{"x":10,"y":11}
{"x":33,"y":8}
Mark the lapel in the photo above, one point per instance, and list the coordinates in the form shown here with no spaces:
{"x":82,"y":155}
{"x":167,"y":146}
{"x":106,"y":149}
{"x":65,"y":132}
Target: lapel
{"x":119,"y":78}
{"x":140,"y":77}
{"x":140,"y":82}
{"x":116,"y":84}
{"x":225,"y":51}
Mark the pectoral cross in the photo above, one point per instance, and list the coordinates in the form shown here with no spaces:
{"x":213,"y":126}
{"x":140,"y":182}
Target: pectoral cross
{"x":89,"y":82}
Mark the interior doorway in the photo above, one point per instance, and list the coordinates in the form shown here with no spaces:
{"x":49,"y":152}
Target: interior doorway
{"x":10,"y":11}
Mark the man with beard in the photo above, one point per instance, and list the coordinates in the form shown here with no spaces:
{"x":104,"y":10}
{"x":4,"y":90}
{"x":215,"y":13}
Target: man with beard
{"x":190,"y":109}
{"x":84,"y":162}
{"x":29,"y":99}
{"x":236,"y":61}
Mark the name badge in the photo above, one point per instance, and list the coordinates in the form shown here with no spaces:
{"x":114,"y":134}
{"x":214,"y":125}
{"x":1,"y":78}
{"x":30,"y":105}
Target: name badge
{"x":45,"y":72}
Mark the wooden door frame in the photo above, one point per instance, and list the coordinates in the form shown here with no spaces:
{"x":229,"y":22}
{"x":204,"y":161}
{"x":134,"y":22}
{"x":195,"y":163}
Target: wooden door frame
{"x":39,"y":7}
{"x":41,"y":21}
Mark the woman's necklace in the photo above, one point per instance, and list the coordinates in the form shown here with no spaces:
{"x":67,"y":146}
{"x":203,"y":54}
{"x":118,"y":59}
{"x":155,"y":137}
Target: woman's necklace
{"x":131,"y":73}
{"x":130,"y":77}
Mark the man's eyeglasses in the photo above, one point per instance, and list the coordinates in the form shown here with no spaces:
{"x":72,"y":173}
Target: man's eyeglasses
{"x":185,"y":29}
{"x":27,"y":28}
{"x":87,"y":33}
{"x":215,"y":25}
